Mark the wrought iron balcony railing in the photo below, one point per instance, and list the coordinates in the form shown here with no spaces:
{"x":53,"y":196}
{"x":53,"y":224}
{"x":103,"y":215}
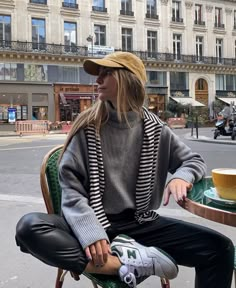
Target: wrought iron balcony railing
{"x":152,"y":16}
{"x":219,"y":25}
{"x":39,"y":2}
{"x":199,"y":22}
{"x":177,"y":19}
{"x":70,"y":5}
{"x":126,"y":12}
{"x":99,"y":9}
{"x":82,"y":51}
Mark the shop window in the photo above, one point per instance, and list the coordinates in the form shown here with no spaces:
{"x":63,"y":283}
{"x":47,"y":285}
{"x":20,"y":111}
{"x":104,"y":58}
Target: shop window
{"x":40,"y":113}
{"x":8,"y":71}
{"x":35,"y":72}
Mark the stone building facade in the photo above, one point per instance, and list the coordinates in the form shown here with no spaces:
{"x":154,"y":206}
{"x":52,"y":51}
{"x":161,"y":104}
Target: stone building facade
{"x":187,"y":46}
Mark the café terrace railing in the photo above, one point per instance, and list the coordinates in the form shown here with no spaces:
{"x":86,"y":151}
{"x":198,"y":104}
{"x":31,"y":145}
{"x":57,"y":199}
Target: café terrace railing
{"x":82,"y":51}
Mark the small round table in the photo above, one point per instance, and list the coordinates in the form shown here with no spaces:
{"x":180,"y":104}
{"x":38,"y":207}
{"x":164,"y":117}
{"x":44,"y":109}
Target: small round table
{"x":198,"y":204}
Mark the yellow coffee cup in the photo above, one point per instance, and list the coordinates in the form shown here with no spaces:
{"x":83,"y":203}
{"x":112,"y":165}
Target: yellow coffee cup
{"x":224,"y":180}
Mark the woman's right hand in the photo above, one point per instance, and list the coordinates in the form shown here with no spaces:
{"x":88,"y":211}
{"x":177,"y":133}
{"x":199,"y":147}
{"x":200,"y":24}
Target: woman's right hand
{"x":98,"y":252}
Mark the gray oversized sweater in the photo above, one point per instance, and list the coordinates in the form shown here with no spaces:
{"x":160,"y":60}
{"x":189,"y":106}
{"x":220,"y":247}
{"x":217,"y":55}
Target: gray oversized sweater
{"x":121,"y":147}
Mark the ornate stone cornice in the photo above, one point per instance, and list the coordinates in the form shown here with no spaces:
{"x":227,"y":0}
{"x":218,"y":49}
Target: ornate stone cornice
{"x":164,"y":2}
{"x":195,"y":68}
{"x":16,"y":57}
{"x":228,"y":10}
{"x":209,"y":8}
{"x":70,"y":12}
{"x":7,"y":4}
{"x":37,"y":8}
{"x":189,"y":4}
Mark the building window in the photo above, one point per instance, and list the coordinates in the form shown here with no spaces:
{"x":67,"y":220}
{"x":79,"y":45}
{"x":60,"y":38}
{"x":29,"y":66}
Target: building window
{"x":199,"y":48}
{"x":39,"y":113}
{"x":201,"y":84}
{"x":177,"y":46}
{"x":151,"y":9}
{"x":152,"y":44}
{"x":225,"y":82}
{"x":176,"y":11}
{"x":99,"y":5}
{"x":39,"y":2}
{"x":127,"y":39}
{"x":156,"y":78}
{"x":219,"y":50}
{"x":38,"y":34}
{"x":235,"y":49}
{"x":235,"y":19}
{"x":70,"y":31}
{"x":218,"y":18}
{"x":34,"y":72}
{"x":179,"y":81}
{"x":198,"y":15}
{"x":126,"y":8}
{"x":8,"y":71}
{"x":70,"y":4}
{"x":5,"y":31}
{"x":100,"y":35}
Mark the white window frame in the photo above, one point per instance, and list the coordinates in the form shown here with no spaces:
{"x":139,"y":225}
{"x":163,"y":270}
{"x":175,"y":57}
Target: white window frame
{"x":177,"y":46}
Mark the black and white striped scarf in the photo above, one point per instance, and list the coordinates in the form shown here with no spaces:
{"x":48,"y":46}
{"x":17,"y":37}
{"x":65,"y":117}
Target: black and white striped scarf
{"x":146,"y":174}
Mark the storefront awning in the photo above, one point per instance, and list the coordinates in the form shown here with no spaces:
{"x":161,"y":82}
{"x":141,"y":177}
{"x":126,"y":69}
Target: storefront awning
{"x":188,"y":101}
{"x":228,"y":100}
{"x":75,"y":96}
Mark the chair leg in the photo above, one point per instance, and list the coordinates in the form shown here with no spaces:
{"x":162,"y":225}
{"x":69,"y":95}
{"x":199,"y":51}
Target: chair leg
{"x":234,"y":278}
{"x":59,"y":280}
{"x":165,"y":283}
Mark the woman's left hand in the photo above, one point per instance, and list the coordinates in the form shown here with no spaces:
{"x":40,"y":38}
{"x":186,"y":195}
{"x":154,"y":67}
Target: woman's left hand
{"x":178,"y":188}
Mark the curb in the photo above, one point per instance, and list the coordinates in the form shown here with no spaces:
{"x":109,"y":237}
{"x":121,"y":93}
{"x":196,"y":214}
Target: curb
{"x":209,"y":140}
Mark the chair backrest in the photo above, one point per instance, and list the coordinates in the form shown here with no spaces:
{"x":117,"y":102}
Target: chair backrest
{"x":49,"y":182}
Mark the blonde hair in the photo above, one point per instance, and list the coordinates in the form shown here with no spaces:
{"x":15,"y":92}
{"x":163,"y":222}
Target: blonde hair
{"x":130,"y":97}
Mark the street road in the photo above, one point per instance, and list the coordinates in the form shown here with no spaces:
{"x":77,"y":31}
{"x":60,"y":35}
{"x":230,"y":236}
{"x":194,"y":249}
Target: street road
{"x":20,"y":193}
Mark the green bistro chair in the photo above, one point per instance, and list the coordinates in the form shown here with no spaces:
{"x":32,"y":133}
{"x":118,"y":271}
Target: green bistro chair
{"x":51,"y":191}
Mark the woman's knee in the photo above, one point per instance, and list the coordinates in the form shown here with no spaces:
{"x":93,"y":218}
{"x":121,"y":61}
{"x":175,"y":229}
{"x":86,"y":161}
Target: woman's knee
{"x":26,"y":226}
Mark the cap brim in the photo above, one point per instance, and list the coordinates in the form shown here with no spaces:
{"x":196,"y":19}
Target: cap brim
{"x":92,"y":66}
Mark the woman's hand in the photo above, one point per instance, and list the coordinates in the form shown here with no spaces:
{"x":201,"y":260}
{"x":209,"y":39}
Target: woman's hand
{"x":178,"y":188}
{"x":98,"y":252}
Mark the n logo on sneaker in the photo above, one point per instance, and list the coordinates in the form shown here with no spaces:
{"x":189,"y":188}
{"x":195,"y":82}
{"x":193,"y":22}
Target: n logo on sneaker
{"x":131,"y":254}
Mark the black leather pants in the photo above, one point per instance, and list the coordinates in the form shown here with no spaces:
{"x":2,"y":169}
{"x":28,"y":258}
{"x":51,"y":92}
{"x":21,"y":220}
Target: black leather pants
{"x":49,"y":238}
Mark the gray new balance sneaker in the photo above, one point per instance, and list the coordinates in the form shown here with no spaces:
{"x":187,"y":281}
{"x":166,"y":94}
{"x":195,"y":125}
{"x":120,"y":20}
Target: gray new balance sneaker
{"x":140,"y":261}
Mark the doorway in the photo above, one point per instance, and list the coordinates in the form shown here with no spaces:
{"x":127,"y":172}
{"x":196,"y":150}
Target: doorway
{"x":201,"y":91}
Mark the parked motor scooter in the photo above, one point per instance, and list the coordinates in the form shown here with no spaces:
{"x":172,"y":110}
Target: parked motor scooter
{"x":221,"y":123}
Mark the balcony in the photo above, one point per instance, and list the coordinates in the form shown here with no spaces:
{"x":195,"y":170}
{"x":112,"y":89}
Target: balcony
{"x":219,"y":25}
{"x":177,"y":19}
{"x":99,"y":9}
{"x":82,"y":51}
{"x":44,"y":2}
{"x":70,"y":5}
{"x":199,"y":22}
{"x":152,"y":16}
{"x":126,"y":12}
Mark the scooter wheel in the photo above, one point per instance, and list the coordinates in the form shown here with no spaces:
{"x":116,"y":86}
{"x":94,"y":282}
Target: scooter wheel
{"x":215,"y":134}
{"x":233,"y":135}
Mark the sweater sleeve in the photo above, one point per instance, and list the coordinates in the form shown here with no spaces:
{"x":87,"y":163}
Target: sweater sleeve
{"x":74,"y":181}
{"x":183,"y":163}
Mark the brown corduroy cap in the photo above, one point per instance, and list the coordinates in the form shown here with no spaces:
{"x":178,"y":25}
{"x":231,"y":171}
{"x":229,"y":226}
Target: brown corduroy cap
{"x":121,"y":60}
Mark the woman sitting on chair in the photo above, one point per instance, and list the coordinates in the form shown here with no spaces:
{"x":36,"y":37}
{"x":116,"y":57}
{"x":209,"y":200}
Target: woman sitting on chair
{"x":113,"y":174}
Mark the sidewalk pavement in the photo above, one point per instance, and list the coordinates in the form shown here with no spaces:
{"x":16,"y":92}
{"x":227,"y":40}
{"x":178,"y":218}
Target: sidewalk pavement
{"x":204,"y":135}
